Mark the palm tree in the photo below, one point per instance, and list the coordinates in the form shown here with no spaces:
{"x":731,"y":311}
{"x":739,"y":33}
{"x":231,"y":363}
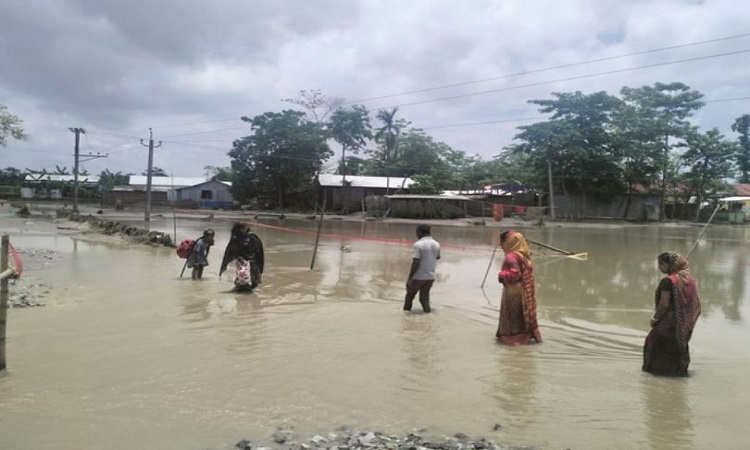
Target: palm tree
{"x":388,"y":134}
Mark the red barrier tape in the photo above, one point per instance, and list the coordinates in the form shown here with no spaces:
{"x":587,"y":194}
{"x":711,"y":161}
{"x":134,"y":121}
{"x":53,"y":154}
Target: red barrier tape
{"x":345,"y":236}
{"x":330,"y":235}
{"x":16,"y":260}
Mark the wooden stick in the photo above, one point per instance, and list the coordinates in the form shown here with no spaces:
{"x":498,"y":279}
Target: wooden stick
{"x":541,"y":244}
{"x":492,"y":258}
{"x":703,"y":230}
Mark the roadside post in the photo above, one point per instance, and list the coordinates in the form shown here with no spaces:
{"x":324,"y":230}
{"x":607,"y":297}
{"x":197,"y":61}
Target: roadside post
{"x":5,"y":273}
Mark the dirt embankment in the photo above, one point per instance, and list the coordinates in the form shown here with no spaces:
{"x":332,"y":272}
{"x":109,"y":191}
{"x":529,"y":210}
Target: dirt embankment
{"x":112,"y":228}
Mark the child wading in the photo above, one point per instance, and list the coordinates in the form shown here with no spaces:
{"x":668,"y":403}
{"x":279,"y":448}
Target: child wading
{"x":198,"y":258}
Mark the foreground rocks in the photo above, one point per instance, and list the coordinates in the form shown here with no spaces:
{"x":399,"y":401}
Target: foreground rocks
{"x":26,"y":291}
{"x":347,"y":439}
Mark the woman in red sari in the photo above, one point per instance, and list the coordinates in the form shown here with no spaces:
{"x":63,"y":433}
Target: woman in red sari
{"x":666,"y":350}
{"x":517,"y":324}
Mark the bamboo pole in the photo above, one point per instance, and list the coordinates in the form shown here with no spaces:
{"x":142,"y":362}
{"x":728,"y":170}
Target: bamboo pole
{"x":489,"y":265}
{"x":3,"y":297}
{"x":317,"y":235}
{"x":710,"y":219}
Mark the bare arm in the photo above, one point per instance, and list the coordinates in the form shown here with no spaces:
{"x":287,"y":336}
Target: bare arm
{"x":413,"y":270}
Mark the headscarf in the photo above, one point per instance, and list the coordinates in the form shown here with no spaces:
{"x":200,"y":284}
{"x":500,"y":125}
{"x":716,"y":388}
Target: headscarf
{"x":243,"y":244}
{"x":675,"y":262}
{"x":687,"y":305}
{"x":516,"y":242}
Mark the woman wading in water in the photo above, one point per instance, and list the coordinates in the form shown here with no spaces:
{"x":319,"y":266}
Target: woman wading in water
{"x":677,"y":307}
{"x":517,"y":324}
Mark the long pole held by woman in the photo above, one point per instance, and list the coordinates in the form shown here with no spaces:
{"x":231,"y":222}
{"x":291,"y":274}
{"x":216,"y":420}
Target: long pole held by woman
{"x":489,"y":265}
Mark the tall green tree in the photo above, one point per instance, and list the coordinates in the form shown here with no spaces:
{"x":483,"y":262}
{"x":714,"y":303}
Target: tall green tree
{"x":387,"y":135}
{"x":11,"y":180}
{"x":10,"y":176}
{"x":317,"y":105}
{"x":742,"y":126}
{"x":664,"y":109}
{"x":350,"y":128}
{"x":108,"y":180}
{"x":543,"y":148}
{"x":214,"y":173}
{"x":574,"y":150}
{"x":10,"y":126}
{"x":283,"y":154}
{"x":419,"y":155}
{"x":155,"y":172}
{"x":710,"y":159}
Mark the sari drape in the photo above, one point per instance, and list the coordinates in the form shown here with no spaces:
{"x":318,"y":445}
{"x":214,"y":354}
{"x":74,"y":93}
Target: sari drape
{"x":518,"y":317}
{"x":666,"y":350}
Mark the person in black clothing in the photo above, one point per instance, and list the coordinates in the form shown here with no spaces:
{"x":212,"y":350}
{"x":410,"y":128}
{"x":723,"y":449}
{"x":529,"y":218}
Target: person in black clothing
{"x":246,"y":249}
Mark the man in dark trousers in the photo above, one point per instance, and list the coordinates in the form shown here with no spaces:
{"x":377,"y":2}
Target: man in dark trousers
{"x":425,"y":253}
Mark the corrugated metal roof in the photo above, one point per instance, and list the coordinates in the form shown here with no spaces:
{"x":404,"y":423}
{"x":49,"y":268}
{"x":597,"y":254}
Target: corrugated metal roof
{"x":333,"y":180}
{"x":141,"y":180}
{"x":428,"y":197}
{"x":225,"y":183}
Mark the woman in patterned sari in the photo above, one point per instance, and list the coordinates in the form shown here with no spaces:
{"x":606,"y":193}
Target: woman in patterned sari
{"x":517,"y":323}
{"x":677,"y":308}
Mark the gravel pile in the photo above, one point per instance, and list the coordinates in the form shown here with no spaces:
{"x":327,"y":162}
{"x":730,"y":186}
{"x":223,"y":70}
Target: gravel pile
{"x":347,"y":439}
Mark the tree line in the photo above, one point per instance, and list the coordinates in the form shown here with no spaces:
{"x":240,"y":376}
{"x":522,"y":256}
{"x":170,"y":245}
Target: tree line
{"x":596,"y":145}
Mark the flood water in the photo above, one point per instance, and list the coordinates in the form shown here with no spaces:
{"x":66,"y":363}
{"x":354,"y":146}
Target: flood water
{"x":128,"y":355}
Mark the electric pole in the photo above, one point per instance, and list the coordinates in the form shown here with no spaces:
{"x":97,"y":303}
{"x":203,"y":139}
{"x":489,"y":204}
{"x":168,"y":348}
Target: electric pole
{"x":78,"y":159}
{"x":78,"y":132}
{"x":151,"y":146}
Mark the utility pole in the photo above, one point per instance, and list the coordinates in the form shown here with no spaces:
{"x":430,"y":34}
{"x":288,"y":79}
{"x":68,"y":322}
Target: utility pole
{"x":151,"y":146}
{"x":551,"y":194}
{"x":78,"y":132}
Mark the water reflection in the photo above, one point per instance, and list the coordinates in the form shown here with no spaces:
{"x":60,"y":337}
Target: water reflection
{"x":668,"y":413}
{"x":330,"y":345}
{"x":419,"y":346}
{"x":620,"y":275}
{"x":515,"y":386}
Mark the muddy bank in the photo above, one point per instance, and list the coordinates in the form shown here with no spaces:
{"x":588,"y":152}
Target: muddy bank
{"x":28,"y":290}
{"x":111,"y":227}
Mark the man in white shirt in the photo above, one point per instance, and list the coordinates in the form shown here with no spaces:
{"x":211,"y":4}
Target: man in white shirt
{"x":425,"y":253}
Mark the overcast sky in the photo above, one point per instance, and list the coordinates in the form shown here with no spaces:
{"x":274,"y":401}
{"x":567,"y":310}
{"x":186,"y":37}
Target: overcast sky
{"x":190,"y":69}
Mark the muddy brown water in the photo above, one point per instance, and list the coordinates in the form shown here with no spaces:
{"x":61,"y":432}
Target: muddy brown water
{"x":128,"y":355}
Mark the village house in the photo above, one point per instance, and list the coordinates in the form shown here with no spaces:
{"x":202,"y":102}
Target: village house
{"x":347,"y":193}
{"x":162,"y":190}
{"x":210,"y":194}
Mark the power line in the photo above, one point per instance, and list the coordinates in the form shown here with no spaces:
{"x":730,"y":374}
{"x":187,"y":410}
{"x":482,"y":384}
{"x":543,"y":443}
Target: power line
{"x":207,"y":132}
{"x":578,"y":77}
{"x":198,"y":123}
{"x":489,"y":122}
{"x":726,"y":99}
{"x":547,"y":69}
